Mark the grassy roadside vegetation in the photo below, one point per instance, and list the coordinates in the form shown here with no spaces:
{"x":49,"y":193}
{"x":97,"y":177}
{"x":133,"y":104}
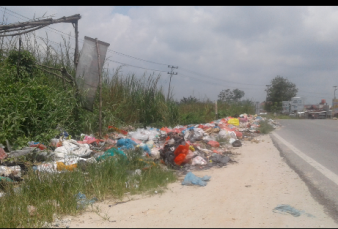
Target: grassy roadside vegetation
{"x":35,"y":104}
{"x":204,"y":111}
{"x":265,"y":127}
{"x":56,"y":193}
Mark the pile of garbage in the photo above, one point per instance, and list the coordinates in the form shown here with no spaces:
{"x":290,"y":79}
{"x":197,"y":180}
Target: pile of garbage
{"x":190,"y":147}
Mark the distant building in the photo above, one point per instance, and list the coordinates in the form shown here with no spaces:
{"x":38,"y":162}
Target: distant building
{"x":297,"y":104}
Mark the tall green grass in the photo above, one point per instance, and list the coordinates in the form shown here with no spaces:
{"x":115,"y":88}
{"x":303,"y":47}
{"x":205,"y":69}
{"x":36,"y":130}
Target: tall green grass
{"x":204,"y":111}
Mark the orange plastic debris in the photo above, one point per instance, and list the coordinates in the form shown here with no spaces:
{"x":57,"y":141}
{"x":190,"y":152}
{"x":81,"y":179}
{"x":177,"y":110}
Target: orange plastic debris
{"x":61,"y":166}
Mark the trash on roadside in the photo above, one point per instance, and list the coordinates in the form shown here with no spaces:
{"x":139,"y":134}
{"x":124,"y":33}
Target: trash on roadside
{"x":10,"y":170}
{"x":237,"y":143}
{"x":3,"y":154}
{"x":287,"y":209}
{"x":5,"y":179}
{"x":82,"y":201}
{"x":192,"y":179}
{"x":110,"y":153}
{"x":126,"y":143}
{"x":61,"y":166}
{"x":198,"y":160}
{"x":72,"y":147}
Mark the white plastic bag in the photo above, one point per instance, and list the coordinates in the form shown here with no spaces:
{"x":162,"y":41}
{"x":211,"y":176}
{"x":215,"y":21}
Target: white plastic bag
{"x":7,"y":170}
{"x":47,"y":167}
{"x":231,"y":140}
{"x":223,"y":134}
{"x":198,"y":134}
{"x":198,"y":160}
{"x":72,"y":147}
{"x":155,"y":153}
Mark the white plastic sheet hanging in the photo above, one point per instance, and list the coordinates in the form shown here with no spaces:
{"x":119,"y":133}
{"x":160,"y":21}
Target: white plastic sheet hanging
{"x":87,"y":72}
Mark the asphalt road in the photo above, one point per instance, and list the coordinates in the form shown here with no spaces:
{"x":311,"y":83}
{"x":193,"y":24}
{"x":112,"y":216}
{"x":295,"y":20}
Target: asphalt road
{"x":310,"y":147}
{"x":317,"y":138}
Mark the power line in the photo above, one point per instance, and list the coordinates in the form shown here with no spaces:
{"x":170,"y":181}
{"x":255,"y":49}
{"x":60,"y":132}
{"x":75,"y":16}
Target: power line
{"x":109,"y":50}
{"x":135,"y":66}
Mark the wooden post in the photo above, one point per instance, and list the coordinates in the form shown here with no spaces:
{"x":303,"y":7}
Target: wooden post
{"x":100,"y":89}
{"x":18,"y":63}
{"x":76,"y":45}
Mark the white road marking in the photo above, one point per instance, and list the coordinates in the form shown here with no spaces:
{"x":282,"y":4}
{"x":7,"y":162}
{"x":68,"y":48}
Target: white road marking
{"x":326,"y":172}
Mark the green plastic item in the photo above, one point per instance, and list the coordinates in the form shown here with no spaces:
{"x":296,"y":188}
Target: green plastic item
{"x":5,"y":179}
{"x":110,"y":153}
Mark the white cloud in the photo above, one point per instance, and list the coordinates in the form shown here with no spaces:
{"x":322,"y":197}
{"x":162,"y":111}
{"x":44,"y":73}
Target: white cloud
{"x":248,"y":45}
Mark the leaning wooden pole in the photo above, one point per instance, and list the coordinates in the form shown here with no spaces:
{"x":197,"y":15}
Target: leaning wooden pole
{"x":76,"y":45}
{"x":100,"y":89}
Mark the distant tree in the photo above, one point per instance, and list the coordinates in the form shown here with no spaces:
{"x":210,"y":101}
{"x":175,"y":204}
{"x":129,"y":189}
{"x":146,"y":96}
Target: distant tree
{"x":190,"y":99}
{"x":231,"y":96}
{"x":280,"y":89}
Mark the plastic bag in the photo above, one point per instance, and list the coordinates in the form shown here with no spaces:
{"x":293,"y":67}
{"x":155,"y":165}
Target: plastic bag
{"x":145,"y":148}
{"x":231,"y":140}
{"x":223,"y":134}
{"x":126,"y":143}
{"x":3,"y":154}
{"x":189,"y":156}
{"x":191,"y":178}
{"x":155,"y":153}
{"x":8,"y":170}
{"x":61,"y":166}
{"x":234,"y":121}
{"x":181,"y":153}
{"x":110,"y":153}
{"x":198,"y":134}
{"x":198,"y":161}
{"x":46,"y":167}
{"x":150,"y":144}
{"x":213,"y":143}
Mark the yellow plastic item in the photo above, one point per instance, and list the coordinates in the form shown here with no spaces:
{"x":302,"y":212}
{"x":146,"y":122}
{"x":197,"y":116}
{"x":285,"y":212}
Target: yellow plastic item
{"x":234,"y":121}
{"x":61,"y":166}
{"x":192,"y":148}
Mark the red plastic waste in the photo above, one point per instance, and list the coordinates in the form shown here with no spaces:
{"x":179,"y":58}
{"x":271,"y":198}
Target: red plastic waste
{"x":166,"y":129}
{"x":180,"y":159}
{"x":213,"y":143}
{"x":239,"y":134}
{"x":118,"y":130}
{"x":181,"y":153}
{"x":40,"y":146}
{"x":216,"y":151}
{"x":3,"y":154}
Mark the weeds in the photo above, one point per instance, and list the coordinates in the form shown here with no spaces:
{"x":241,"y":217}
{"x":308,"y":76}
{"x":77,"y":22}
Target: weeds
{"x":265,"y":127}
{"x":56,"y":193}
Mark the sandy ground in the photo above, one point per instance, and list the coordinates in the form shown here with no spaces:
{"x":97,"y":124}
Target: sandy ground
{"x":238,"y":195}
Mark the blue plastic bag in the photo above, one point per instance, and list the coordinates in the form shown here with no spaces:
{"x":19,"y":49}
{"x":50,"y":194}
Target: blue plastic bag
{"x":126,"y":143}
{"x":146,"y":148}
{"x":82,"y":201}
{"x":110,"y":153}
{"x":191,"y":178}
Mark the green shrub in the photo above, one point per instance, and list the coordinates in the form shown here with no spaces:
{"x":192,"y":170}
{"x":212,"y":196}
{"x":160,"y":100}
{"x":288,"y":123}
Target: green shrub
{"x":265,"y":127}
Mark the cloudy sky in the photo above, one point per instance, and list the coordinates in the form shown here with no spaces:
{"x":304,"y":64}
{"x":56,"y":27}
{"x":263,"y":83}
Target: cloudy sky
{"x":215,"y":48}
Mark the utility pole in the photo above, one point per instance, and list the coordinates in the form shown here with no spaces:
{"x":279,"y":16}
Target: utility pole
{"x":171,"y":75}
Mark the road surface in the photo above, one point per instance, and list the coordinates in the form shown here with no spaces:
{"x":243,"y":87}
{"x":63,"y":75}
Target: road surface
{"x":311,"y":149}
